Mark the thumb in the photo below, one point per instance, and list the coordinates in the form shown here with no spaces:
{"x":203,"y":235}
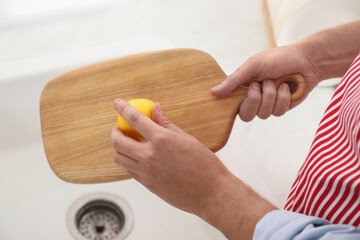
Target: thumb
{"x":159,"y":117}
{"x":244,"y":74}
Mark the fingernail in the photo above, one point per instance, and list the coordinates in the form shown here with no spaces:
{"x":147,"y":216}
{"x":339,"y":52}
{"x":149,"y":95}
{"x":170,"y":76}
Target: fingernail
{"x":284,"y":87}
{"x":216,"y":87}
{"x":117,"y":102}
{"x":255,"y":85}
{"x":159,"y":108}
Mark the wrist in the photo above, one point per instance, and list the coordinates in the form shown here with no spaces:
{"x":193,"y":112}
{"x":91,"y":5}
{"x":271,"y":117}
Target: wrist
{"x":326,"y":63}
{"x":319,"y":59}
{"x":332,"y":51}
{"x":235,"y":209}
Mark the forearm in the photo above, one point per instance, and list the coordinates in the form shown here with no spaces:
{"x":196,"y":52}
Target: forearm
{"x":235,"y":210}
{"x":333,"y":50}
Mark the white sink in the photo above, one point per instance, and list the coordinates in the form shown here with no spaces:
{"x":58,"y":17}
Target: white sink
{"x":34,"y":201}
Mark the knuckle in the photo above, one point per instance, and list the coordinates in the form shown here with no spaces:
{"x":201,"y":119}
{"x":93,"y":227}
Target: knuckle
{"x":280,"y":111}
{"x":148,"y":156}
{"x":117,"y":147}
{"x":281,"y":98}
{"x":254,"y":59}
{"x":166,"y":121}
{"x":231,"y":81}
{"x":114,"y":140}
{"x":163,"y":121}
{"x":270,"y":94}
{"x":133,"y":118}
{"x":282,"y":106}
{"x":254,"y":98}
{"x":149,"y":161}
{"x":113,"y":137}
{"x":116,"y":158}
{"x":160,"y":138}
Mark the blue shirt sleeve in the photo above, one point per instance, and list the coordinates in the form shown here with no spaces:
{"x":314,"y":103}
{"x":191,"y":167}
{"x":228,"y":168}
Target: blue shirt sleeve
{"x":283,"y":225}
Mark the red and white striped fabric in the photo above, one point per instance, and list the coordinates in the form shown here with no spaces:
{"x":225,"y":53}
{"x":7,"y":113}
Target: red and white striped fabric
{"x":328,"y":183}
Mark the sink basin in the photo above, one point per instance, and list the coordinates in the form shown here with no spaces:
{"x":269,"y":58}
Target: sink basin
{"x":34,"y":202}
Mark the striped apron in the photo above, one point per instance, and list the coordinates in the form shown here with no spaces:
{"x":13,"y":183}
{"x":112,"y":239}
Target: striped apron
{"x":328,"y":183}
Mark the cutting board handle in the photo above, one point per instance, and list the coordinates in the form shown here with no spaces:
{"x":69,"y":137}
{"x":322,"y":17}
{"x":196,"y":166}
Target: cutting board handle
{"x":296,"y":83}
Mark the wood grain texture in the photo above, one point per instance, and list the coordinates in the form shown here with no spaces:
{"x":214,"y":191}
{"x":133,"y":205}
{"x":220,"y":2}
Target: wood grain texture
{"x":77,"y":112}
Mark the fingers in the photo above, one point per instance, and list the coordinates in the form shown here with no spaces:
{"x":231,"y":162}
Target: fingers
{"x":268,"y":99}
{"x":250,"y":106}
{"x":135,"y":176}
{"x":266,"y":102}
{"x":141,"y":180}
{"x":130,"y":165}
{"x":125,"y":145}
{"x":244,"y":74}
{"x":141,"y":123}
{"x":126,"y":162}
{"x":160,"y":118}
{"x":282,"y":100}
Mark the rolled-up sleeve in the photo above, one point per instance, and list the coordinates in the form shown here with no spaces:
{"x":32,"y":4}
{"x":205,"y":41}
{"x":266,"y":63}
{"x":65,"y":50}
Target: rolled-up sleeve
{"x":281,"y":225}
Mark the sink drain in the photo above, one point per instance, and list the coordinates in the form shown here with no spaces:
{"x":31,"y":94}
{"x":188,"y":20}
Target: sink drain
{"x":100,"y":220}
{"x":99,"y":216}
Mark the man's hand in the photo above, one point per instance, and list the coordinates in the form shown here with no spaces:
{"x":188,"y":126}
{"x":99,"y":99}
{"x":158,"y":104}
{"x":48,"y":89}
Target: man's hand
{"x":183,"y":172}
{"x":169,"y":162}
{"x":264,"y":99}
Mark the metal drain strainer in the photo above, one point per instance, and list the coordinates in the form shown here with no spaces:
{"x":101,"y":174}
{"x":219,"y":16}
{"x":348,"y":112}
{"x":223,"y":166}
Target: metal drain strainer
{"x":99,"y":220}
{"x":99,"y":216}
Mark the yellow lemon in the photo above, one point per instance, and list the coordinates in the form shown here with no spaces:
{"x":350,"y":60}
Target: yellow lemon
{"x":144,"y":106}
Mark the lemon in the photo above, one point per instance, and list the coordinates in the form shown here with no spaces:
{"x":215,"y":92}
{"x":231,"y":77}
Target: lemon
{"x":144,"y":106}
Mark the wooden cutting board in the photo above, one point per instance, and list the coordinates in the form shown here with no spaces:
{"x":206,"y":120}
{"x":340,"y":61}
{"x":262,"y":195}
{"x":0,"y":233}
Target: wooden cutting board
{"x":77,"y":112}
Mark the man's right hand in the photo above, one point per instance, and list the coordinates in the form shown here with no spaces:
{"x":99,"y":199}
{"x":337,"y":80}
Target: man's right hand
{"x":260,"y":71}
